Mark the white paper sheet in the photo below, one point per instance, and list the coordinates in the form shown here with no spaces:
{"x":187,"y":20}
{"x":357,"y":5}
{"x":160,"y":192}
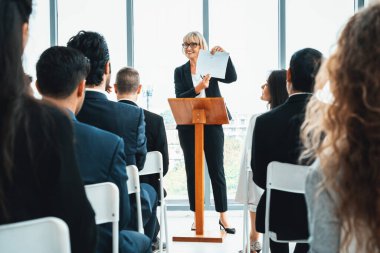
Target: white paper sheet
{"x":215,"y":65}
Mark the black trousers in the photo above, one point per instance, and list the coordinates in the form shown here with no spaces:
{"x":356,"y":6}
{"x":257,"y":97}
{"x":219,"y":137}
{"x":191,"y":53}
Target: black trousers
{"x":276,"y":247}
{"x":213,"y":148}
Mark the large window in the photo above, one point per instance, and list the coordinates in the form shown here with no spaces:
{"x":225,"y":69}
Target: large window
{"x":315,"y":24}
{"x":39,"y":37}
{"x":248,"y":31}
{"x":159,"y":28}
{"x":107,"y":18}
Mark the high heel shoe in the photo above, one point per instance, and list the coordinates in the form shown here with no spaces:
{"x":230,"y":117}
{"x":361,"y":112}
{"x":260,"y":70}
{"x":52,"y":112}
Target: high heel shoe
{"x":228,"y":230}
{"x":255,"y":246}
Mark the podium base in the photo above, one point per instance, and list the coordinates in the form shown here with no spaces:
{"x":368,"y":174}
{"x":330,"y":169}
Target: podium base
{"x":208,"y":236}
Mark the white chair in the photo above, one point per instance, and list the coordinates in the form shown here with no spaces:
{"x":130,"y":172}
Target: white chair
{"x":154,"y":165}
{"x":44,"y":235}
{"x":246,"y":245}
{"x":104,"y":199}
{"x":284,"y":177}
{"x":133,"y":185}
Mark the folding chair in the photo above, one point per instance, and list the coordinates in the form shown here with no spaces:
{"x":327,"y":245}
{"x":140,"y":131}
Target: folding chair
{"x":133,"y":185}
{"x":44,"y":235}
{"x":104,"y":199}
{"x":288,"y":178}
{"x":153,"y":165}
{"x":246,"y":245}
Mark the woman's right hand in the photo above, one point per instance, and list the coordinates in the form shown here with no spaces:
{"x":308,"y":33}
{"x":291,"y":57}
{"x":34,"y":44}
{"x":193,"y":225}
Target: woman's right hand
{"x":203,"y":84}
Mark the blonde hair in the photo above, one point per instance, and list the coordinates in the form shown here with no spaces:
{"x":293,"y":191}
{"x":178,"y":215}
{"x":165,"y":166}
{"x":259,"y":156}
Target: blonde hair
{"x":196,"y":37}
{"x":345,"y":134}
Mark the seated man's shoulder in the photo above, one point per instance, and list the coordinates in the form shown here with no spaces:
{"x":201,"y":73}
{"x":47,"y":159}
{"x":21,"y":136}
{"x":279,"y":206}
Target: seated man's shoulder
{"x":270,"y":115}
{"x":117,"y":106}
{"x":48,"y":113}
{"x":98,"y":135}
{"x":98,"y":152}
{"x":124,"y":107}
{"x":151,"y":116}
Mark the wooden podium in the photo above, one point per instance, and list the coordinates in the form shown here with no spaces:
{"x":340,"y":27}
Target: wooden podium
{"x":199,"y":112}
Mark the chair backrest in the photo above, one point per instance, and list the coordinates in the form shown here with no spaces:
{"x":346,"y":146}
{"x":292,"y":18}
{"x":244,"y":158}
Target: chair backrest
{"x":284,"y":177}
{"x":44,"y":235}
{"x":133,"y":185}
{"x":104,"y":199}
{"x":287,"y":177}
{"x":133,"y":182}
{"x":153,"y":163}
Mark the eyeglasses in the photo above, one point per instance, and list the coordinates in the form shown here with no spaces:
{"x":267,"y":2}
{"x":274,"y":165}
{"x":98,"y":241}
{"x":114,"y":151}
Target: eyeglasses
{"x":191,"y":44}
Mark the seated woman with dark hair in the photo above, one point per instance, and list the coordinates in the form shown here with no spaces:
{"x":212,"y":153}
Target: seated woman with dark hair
{"x":274,"y":92}
{"x":38,"y":171}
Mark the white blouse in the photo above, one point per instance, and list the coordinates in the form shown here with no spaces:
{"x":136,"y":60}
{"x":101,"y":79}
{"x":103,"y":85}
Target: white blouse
{"x":197,"y":79}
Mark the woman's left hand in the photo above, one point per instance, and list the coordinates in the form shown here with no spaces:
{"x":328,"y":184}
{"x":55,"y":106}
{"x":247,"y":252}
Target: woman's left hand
{"x":216,"y":49}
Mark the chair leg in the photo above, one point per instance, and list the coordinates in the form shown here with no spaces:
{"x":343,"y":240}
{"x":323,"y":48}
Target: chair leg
{"x":246,"y":242}
{"x":115,"y":237}
{"x":161,"y":224}
{"x":166,"y":227}
{"x":245,"y":228}
{"x":265,"y":243}
{"x":248,"y":245}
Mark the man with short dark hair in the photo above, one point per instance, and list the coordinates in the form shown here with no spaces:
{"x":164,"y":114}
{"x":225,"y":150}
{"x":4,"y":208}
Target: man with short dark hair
{"x":125,"y":120}
{"x":276,"y":138}
{"x":61,"y":74}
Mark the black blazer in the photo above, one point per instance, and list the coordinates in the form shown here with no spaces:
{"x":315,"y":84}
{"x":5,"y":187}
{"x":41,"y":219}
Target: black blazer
{"x":276,"y":138}
{"x":184,"y":87}
{"x":121,"y":119}
{"x":47,"y":182}
{"x":156,"y":141}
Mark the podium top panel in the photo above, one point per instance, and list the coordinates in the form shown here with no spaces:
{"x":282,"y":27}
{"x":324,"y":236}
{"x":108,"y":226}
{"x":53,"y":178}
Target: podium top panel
{"x":215,"y":109}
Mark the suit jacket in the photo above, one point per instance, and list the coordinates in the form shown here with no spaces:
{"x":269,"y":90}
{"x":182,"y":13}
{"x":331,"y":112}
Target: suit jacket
{"x":156,"y":137}
{"x":45,"y":176}
{"x":121,"y":119}
{"x":276,"y":138}
{"x":184,"y":87}
{"x":101,"y":158}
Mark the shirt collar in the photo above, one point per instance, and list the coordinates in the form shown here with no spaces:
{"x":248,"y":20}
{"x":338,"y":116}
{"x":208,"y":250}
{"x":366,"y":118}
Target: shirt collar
{"x":126,"y":99}
{"x":71,"y":114}
{"x":300,"y":93}
{"x":97,"y":90}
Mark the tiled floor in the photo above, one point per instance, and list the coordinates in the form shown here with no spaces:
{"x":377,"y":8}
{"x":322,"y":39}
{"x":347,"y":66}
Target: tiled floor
{"x":180,"y":222}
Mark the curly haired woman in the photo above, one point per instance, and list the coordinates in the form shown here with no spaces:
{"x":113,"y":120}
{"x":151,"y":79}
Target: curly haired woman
{"x":343,"y":132}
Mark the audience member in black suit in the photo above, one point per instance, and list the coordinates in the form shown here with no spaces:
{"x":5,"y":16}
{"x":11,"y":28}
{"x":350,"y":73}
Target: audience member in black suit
{"x":127,"y":88}
{"x":189,"y":84}
{"x":276,"y":138}
{"x":61,"y":74}
{"x":127,"y":121}
{"x":39,"y":176}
